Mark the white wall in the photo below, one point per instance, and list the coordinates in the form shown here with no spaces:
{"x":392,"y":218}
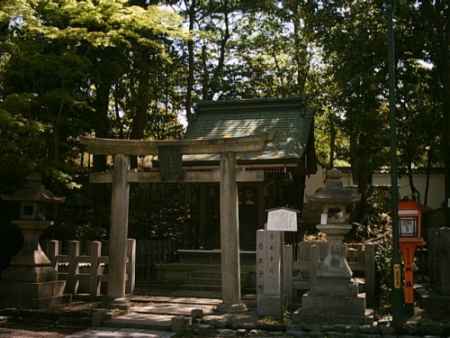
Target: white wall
{"x":436,"y":193}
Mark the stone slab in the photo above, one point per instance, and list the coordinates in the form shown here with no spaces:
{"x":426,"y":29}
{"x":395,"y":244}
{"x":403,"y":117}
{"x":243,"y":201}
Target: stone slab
{"x":179,"y":293}
{"x":121,"y":333}
{"x":177,"y":300}
{"x":141,"y":321}
{"x":172,"y":308}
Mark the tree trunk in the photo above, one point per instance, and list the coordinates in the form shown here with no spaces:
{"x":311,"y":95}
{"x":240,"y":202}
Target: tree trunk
{"x":446,"y":97}
{"x":215,"y":83}
{"x":102,"y":123}
{"x":141,"y":102}
{"x":332,"y":143}
{"x":414,"y":192}
{"x":57,"y":132}
{"x":100,"y":194}
{"x":117,"y":111}
{"x":354,"y":157}
{"x":190,"y":79}
{"x":205,"y":75}
{"x":428,"y":174}
{"x":299,"y":178}
{"x":361,"y":174}
{"x":300,"y":52}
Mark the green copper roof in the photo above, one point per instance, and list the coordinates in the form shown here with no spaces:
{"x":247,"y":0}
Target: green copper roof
{"x":288,"y":120}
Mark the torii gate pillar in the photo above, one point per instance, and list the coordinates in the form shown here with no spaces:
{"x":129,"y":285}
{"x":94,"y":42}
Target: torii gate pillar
{"x":229,"y":235}
{"x":118,"y":239}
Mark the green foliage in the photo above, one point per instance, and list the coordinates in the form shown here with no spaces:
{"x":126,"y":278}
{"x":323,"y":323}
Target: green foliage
{"x":126,"y":69}
{"x":377,"y":229}
{"x":169,"y":214}
{"x":22,"y":147}
{"x":73,"y":67}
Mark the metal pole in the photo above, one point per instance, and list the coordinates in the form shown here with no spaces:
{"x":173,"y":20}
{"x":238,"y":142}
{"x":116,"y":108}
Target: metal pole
{"x":446,"y":87}
{"x":397,"y":292}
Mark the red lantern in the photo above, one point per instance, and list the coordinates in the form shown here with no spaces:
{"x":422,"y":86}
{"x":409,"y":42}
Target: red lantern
{"x":410,"y":226}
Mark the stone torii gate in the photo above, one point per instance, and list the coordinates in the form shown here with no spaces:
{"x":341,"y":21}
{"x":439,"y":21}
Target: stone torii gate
{"x":228,"y":175}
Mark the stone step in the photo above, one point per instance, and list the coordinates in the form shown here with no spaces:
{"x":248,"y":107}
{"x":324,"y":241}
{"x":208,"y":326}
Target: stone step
{"x":212,"y":275}
{"x":176,"y":309}
{"x":141,"y":321}
{"x":203,"y":287}
{"x":206,"y":281}
{"x":207,"y":274}
{"x":178,"y":293}
{"x":217,"y":288}
{"x":158,"y":286}
{"x":207,"y":287}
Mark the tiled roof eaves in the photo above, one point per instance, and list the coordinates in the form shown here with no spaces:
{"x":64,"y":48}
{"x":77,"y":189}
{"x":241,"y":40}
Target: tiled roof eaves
{"x":288,"y":119}
{"x":261,"y":104}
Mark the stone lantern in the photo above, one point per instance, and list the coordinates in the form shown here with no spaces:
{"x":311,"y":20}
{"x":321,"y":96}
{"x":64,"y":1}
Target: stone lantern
{"x":334,"y":297}
{"x":30,"y":281}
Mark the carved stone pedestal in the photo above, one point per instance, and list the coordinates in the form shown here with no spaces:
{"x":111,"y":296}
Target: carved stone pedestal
{"x":30,"y":281}
{"x":333,"y":298}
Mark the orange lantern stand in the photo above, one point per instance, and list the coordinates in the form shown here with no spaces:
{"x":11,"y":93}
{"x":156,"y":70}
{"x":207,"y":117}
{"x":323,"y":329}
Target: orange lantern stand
{"x":410,"y":221}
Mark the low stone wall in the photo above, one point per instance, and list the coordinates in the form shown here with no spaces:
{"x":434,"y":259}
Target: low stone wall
{"x":87,"y":273}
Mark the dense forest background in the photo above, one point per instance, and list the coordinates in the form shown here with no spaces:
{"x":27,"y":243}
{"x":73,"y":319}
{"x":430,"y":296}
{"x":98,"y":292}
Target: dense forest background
{"x":128,"y":69}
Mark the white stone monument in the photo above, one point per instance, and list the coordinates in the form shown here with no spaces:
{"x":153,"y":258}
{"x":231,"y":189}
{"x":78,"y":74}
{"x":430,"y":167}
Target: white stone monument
{"x":272,"y":272}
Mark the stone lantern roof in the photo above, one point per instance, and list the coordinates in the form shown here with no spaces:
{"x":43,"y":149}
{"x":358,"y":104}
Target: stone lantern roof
{"x":334,"y":191}
{"x":34,"y":191}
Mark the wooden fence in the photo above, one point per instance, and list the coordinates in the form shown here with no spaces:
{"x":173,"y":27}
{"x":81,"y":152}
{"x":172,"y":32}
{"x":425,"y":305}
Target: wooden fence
{"x":152,"y":252}
{"x":360,"y":257}
{"x":87,"y":273}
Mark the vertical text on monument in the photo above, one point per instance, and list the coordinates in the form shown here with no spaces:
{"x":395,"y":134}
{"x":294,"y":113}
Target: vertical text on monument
{"x":268,"y":272}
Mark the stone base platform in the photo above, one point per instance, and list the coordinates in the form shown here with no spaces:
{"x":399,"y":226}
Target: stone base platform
{"x":326,"y":309}
{"x":31,"y":295}
{"x":332,"y":299}
{"x":269,"y":305}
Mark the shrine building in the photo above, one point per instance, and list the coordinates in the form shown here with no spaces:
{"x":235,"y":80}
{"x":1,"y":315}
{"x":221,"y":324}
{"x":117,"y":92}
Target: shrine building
{"x":287,"y":158}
